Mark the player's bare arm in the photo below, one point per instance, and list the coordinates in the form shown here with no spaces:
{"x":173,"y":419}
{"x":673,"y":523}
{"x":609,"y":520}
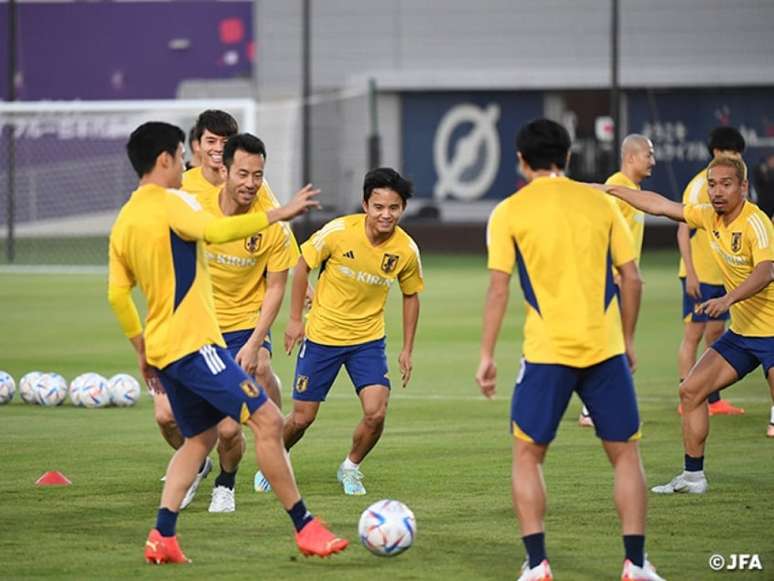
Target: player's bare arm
{"x":761,"y":276}
{"x":650,"y":202}
{"x":494,"y":311}
{"x":247,"y":357}
{"x":294,"y":332}
{"x":630,"y":285}
{"x":410,"y":319}
{"x":684,"y":244}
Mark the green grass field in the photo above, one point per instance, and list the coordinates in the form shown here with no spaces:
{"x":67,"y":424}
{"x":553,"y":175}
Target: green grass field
{"x":445,"y":452}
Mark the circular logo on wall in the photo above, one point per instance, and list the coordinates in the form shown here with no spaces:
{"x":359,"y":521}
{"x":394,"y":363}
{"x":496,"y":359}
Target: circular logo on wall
{"x":466,"y":165}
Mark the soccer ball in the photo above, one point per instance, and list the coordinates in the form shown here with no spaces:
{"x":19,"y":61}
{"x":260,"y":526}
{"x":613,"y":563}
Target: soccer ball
{"x":77,"y":385}
{"x":124,"y":390}
{"x":93,"y":391}
{"x":50,"y":389}
{"x":27,"y":386}
{"x":7,"y":387}
{"x":387,"y":528}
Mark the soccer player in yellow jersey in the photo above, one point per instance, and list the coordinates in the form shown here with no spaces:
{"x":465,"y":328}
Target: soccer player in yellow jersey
{"x":360,"y":257}
{"x":156,"y":243}
{"x":563,"y":239}
{"x":742,"y":242}
{"x":637,"y":162}
{"x":700,"y":276}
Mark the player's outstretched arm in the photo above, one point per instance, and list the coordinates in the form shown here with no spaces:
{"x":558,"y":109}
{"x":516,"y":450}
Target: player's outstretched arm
{"x":294,"y":332}
{"x":230,"y":228}
{"x":649,"y":202}
{"x":494,"y":311}
{"x":410,"y":319}
{"x":302,"y":202}
{"x":630,"y":285}
{"x":761,"y":276}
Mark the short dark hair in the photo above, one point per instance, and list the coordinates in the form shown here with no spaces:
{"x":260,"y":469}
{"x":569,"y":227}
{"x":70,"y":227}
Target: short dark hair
{"x":192,"y":137}
{"x":217,"y":122}
{"x":386,"y":177}
{"x":726,"y":139}
{"x":543,"y":144}
{"x":246,"y":142}
{"x":149,"y":141}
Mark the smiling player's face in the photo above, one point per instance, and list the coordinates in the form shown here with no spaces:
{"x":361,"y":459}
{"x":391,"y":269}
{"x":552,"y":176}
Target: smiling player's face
{"x":211,"y":149}
{"x":244,"y":177}
{"x":383,"y":210}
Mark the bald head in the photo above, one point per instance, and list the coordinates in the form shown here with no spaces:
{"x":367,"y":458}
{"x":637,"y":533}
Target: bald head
{"x":637,"y":158}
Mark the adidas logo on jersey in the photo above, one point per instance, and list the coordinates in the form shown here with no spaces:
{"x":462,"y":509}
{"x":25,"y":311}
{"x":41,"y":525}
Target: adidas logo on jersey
{"x":349,"y":254}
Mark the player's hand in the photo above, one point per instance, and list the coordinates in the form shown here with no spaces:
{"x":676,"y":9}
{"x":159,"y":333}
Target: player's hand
{"x":404,"y":360}
{"x":714,"y":307}
{"x":631,"y":357}
{"x":486,"y":377}
{"x":294,"y":334}
{"x":692,"y":286}
{"x":247,"y":357}
{"x":303,"y":201}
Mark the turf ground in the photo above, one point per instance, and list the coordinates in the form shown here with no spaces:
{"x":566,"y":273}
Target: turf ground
{"x":445,"y":452}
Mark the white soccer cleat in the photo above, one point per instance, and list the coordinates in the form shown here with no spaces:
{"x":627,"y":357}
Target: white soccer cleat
{"x":540,"y":573}
{"x":585,"y":421}
{"x":683,"y":482}
{"x":191,"y":493}
{"x":351,"y":480}
{"x":632,"y":572}
{"x":222,"y":500}
{"x":260,"y":484}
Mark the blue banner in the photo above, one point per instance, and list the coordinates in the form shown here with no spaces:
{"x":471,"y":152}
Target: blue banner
{"x":679,"y":123}
{"x":461,"y":145}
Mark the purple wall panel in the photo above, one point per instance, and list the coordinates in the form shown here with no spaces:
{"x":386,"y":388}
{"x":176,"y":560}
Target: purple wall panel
{"x":122,"y":50}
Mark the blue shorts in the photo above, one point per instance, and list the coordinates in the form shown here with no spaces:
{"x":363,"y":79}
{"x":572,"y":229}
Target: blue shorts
{"x":543,"y":391}
{"x":235,"y":340}
{"x":746,"y":353}
{"x":318,"y":365}
{"x":206,"y":386}
{"x":708,"y":291}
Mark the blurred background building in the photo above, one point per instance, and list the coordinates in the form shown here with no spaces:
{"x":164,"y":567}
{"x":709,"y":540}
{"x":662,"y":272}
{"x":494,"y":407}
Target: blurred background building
{"x":436,"y":89}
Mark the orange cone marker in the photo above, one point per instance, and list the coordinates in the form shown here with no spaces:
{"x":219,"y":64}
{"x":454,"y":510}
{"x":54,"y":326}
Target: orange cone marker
{"x":53,"y":478}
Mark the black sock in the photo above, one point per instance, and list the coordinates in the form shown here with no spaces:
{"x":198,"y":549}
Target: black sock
{"x":694,"y":464}
{"x":227,"y":479}
{"x":714,"y":396}
{"x":536,"y":548}
{"x":166,"y":522}
{"x":634,"y":545}
{"x":300,"y":516}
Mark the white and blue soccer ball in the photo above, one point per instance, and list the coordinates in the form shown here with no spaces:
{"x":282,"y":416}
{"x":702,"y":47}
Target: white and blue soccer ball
{"x":77,"y":385}
{"x":387,"y":528}
{"x":7,"y":387}
{"x":50,"y":389}
{"x":27,"y":386}
{"x":93,"y":392}
{"x":124,"y":390}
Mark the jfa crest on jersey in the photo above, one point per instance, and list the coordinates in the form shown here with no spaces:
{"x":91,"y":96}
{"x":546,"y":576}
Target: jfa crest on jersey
{"x":253,"y":243}
{"x":736,"y":241}
{"x":389,"y":262}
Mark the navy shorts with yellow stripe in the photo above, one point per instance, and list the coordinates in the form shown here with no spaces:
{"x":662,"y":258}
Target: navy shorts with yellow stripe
{"x":235,"y":340}
{"x":707,"y":291}
{"x":544,"y":390}
{"x":206,"y":386}
{"x":746,"y":353}
{"x":318,"y":365}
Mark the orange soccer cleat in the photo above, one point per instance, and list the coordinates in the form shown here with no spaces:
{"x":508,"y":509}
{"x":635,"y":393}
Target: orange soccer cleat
{"x":160,"y":550}
{"x":316,"y":540}
{"x":723,"y":407}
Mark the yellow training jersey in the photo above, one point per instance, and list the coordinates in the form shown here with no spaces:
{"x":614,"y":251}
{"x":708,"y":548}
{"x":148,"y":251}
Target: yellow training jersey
{"x":355,"y":277}
{"x":238,"y":269}
{"x":194,"y":182}
{"x":737,"y":249}
{"x":707,"y":270}
{"x":155,"y":242}
{"x":635,"y":218}
{"x":563,"y":237}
